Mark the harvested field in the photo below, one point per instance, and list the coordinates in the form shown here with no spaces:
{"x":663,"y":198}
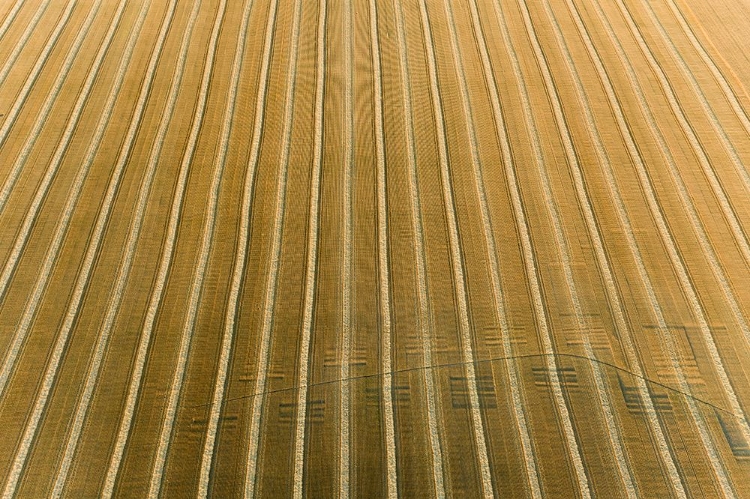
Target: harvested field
{"x":374,"y":248}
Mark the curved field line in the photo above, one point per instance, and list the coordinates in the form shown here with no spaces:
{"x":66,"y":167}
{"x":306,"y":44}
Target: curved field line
{"x":519,"y":414}
{"x":384,"y":294}
{"x":677,"y":263}
{"x":62,"y":147}
{"x":603,"y":393}
{"x":62,"y":226}
{"x":425,"y":325}
{"x":130,"y":246}
{"x":716,"y":186}
{"x":94,"y":246}
{"x":602,"y":259}
{"x":698,"y":91}
{"x":12,"y":177}
{"x":346,"y":272}
{"x":21,"y":329}
{"x":312,"y":259}
{"x":515,"y":389}
{"x":239,"y":262}
{"x":695,"y":22}
{"x":57,"y":158}
{"x":170,"y":414}
{"x":666,"y":338}
{"x":458,"y":266}
{"x":20,"y":44}
{"x":530,"y":260}
{"x":526,"y":244}
{"x":687,"y":203}
{"x":718,"y":76}
{"x":685,"y":199}
{"x":275,"y":257}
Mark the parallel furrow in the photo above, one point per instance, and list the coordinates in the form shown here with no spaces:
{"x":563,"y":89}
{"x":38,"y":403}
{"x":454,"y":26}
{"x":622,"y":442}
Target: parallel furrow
{"x":674,"y":255}
{"x":603,"y":394}
{"x":130,"y":247}
{"x":602,"y":258}
{"x":170,"y":413}
{"x":15,"y":109}
{"x":726,"y":142}
{"x":709,"y":62}
{"x":62,"y":228}
{"x":433,"y":423}
{"x":383,"y":264}
{"x":10,"y":17}
{"x":459,"y":278}
{"x":685,"y":199}
{"x":238,"y":273}
{"x":19,"y":46}
{"x":707,"y":166}
{"x":94,"y":247}
{"x":346,"y":261}
{"x":312,"y":259}
{"x":261,"y":376}
{"x":22,"y":328}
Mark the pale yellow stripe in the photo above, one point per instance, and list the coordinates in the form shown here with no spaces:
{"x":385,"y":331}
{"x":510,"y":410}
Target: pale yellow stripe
{"x":42,"y":397}
{"x":425,"y":326}
{"x":312,"y":259}
{"x":22,"y":328}
{"x":346,"y":271}
{"x":271,"y":284}
{"x":240,"y":257}
{"x":604,"y":265}
{"x":170,"y":414}
{"x":458,"y":268}
{"x":96,"y":238}
{"x":125,"y":265}
{"x":528,"y":253}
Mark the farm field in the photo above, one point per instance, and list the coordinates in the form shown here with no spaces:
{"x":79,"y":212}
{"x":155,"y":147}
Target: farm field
{"x":374,"y":248}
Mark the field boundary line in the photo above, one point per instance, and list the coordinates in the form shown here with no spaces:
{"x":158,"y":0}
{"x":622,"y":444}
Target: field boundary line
{"x":616,"y":367}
